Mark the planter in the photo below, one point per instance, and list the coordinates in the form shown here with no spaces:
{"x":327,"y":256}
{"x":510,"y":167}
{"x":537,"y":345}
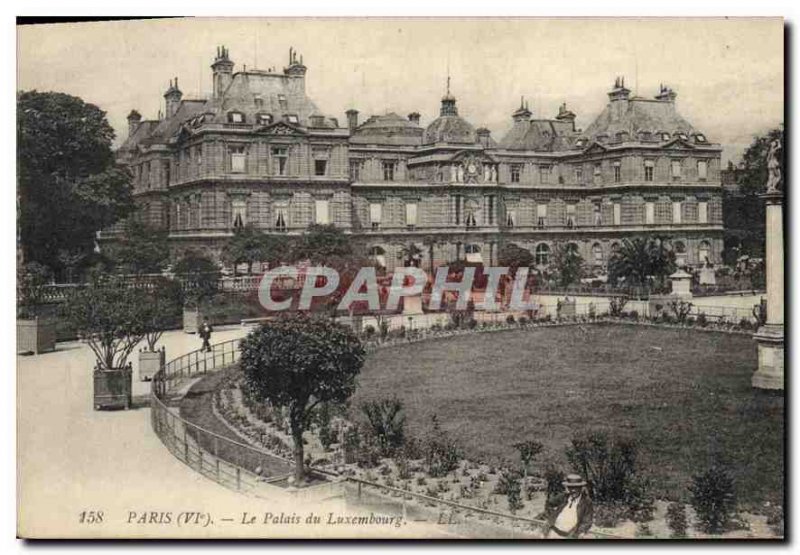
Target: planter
{"x":192,"y":318}
{"x":35,"y":336}
{"x":112,"y":388}
{"x":150,"y":362}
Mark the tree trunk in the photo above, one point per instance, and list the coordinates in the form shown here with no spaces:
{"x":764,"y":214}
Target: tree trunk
{"x":299,"y":455}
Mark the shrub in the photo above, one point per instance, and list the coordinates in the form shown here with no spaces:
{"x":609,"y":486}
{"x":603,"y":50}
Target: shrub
{"x":681,"y":310}
{"x":634,"y":314}
{"x":702,"y":320}
{"x":592,"y":311}
{"x":607,"y":463}
{"x":369,"y":331}
{"x":436,"y":327}
{"x":472,"y":323}
{"x":506,"y":481}
{"x":553,"y":477}
{"x":745,"y":324}
{"x":523,"y":321}
{"x":713,"y":499}
{"x":676,"y":519}
{"x":639,"y":501}
{"x":351,"y":443}
{"x":514,"y":495}
{"x":775,"y":518}
{"x":643,"y":531}
{"x":383,"y":327}
{"x":386,"y":422}
{"x":608,"y":515}
{"x":442,"y":453}
{"x":510,"y":319}
{"x":527,"y":452}
{"x":616,"y":305}
{"x":325,"y":433}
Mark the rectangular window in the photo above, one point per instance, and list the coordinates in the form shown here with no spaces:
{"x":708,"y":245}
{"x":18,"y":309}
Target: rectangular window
{"x":238,"y":213}
{"x":579,"y":174}
{"x":570,"y":216}
{"x":598,"y":173}
{"x":457,"y":199}
{"x":702,"y":212}
{"x":511,"y":218}
{"x":236,"y":117}
{"x":516,"y":171}
{"x":541,"y":215}
{"x":648,"y":170}
{"x":322,"y":211}
{"x":281,"y":219}
{"x":411,"y":214}
{"x":617,"y":172}
{"x":649,"y":213}
{"x":676,"y":212}
{"x":544,"y":174}
{"x":375,"y":213}
{"x":490,"y":202}
{"x":676,"y":169}
{"x":320,"y":167}
{"x":617,"y":213}
{"x":282,"y":101}
{"x":280,"y":159}
{"x":237,"y":159}
{"x":320,"y":156}
{"x":355,"y":170}
{"x":598,"y":215}
{"x":702,"y":170}
{"x":388,"y":170}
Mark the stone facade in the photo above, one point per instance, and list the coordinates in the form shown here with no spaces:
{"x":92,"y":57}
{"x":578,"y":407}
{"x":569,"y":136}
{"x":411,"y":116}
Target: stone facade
{"x":258,"y":152}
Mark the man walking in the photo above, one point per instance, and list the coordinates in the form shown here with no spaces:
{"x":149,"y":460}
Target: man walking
{"x":572,"y":512}
{"x":205,"y":334}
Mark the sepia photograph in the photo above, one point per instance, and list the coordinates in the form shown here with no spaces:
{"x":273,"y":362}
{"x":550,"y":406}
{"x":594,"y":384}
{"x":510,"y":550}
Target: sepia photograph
{"x":507,"y":278}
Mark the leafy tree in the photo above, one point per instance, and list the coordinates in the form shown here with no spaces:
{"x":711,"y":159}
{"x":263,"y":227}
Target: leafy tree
{"x":639,"y":259}
{"x":164,"y":300}
{"x":69,"y":187}
{"x":249,"y":245}
{"x":298,"y":362}
{"x":141,"y":249}
{"x":321,"y":242}
{"x":410,"y":254}
{"x":743,"y":211}
{"x":199,"y":276}
{"x":527,"y":452}
{"x":111,"y":317}
{"x":32,"y":279}
{"x":566,"y":264}
{"x":514,"y":257}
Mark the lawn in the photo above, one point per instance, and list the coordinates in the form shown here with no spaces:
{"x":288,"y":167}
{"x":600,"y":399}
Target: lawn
{"x":683,"y":395}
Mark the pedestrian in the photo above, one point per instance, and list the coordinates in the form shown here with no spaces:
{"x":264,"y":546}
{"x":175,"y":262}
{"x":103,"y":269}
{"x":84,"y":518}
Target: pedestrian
{"x":205,"y":334}
{"x":572,"y":511}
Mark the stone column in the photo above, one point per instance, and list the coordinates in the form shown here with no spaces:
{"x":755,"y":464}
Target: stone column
{"x":770,"y":336}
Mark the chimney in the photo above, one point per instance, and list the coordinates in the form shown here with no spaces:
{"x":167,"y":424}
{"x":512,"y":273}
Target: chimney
{"x":223,"y":72}
{"x":619,"y":92}
{"x":297,"y":70}
{"x":352,"y":119}
{"x":173,"y":97}
{"x":566,"y":115}
{"x":134,"y":119}
{"x":522,"y":115}
{"x":666,"y":94}
{"x":413,"y":117}
{"x":484,"y":136}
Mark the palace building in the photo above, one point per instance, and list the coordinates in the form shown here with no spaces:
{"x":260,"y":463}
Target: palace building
{"x":259,"y":152}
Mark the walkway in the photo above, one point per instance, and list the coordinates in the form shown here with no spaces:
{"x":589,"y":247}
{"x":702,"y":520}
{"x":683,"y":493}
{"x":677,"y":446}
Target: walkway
{"x":73,"y":459}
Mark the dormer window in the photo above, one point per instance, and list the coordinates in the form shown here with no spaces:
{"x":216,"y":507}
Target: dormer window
{"x":282,"y":101}
{"x":665,"y":136}
{"x":602,"y":138}
{"x":259,"y":102}
{"x":580,"y":142}
{"x":264,"y":119}
{"x":317,"y":121}
{"x":235,"y":117}
{"x":292,"y":118}
{"x":644,"y":136}
{"x":700,"y":138}
{"x":682,"y":136}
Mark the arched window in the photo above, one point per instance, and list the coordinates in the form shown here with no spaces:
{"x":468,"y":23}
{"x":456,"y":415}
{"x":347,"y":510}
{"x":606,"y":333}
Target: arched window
{"x":473,"y":252}
{"x":542,"y":255}
{"x":614,"y":248}
{"x":263,"y":119}
{"x":704,"y":253}
{"x":597,"y":254}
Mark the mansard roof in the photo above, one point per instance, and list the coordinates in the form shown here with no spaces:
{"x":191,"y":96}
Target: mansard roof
{"x":638,"y":115}
{"x":387,"y":129}
{"x":543,"y":135}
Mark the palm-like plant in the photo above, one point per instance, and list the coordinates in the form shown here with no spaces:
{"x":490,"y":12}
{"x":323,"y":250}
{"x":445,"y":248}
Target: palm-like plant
{"x":638,"y":259}
{"x":431,"y":241}
{"x":410,"y":254}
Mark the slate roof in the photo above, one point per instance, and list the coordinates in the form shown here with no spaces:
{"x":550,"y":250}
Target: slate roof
{"x":638,"y":114}
{"x":450,"y":129}
{"x":388,"y":129}
{"x":539,"y":135}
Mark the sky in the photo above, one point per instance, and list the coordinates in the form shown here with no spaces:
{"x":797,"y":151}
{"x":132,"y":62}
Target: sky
{"x":728,"y":73}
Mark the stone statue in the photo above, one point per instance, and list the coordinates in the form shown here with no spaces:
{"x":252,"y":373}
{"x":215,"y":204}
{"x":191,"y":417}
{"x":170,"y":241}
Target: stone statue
{"x":460,"y":173}
{"x":774,"y":156}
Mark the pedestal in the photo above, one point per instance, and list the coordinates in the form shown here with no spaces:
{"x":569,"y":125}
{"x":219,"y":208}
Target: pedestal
{"x":770,"y":357}
{"x":770,"y":337}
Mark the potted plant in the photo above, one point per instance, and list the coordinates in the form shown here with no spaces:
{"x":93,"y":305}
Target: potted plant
{"x":162,"y":310}
{"x":111,"y":317}
{"x":34,"y":334}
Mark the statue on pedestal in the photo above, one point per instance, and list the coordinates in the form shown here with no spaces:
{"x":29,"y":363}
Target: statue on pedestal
{"x":774,"y":164}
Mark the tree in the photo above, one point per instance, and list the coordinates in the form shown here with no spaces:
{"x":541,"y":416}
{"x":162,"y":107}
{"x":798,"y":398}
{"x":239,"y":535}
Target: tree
{"x":141,"y":249}
{"x":410,"y":254}
{"x":32,"y":279}
{"x":566,"y":264}
{"x":163,"y":303}
{"x":639,"y":259}
{"x":514,"y":257}
{"x":69,"y":187}
{"x":249,"y":245}
{"x":111,"y":317}
{"x":297,"y":362}
{"x":743,"y":211}
{"x":321,"y":242}
{"x":527,"y":451}
{"x":199,"y":276}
